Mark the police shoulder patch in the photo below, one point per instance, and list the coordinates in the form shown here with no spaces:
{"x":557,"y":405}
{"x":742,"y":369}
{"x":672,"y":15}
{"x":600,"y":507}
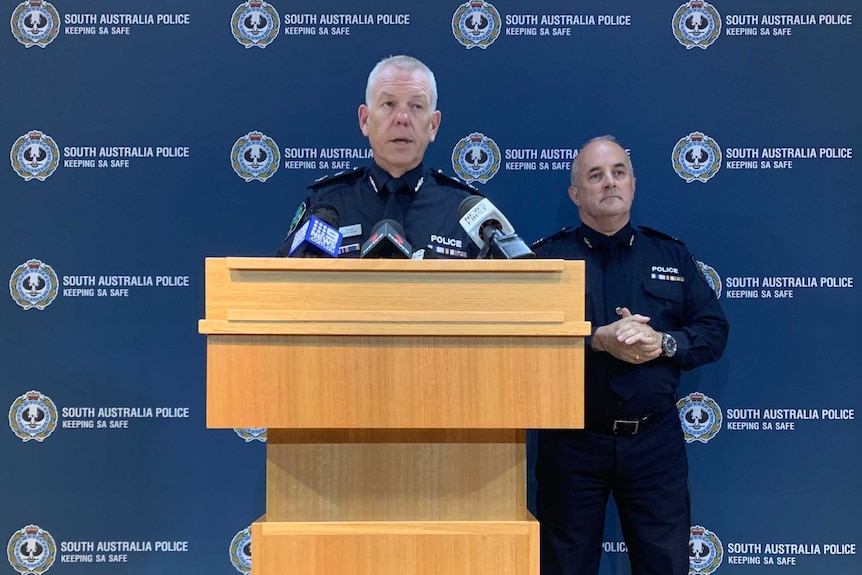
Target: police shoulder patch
{"x":442,"y":178}
{"x":657,"y":234}
{"x":340,"y":176}
{"x":560,"y":234}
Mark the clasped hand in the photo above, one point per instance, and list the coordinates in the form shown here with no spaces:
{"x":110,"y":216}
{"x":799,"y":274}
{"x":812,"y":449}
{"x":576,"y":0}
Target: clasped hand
{"x":630,"y":338}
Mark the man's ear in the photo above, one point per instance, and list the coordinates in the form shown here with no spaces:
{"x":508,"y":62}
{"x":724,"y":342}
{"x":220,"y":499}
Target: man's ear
{"x":363,"y":113}
{"x":436,"y":116}
{"x":575,"y":195}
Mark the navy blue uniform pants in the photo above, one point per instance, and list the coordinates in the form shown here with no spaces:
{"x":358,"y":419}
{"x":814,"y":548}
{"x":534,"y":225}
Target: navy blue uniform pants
{"x":647,"y":473}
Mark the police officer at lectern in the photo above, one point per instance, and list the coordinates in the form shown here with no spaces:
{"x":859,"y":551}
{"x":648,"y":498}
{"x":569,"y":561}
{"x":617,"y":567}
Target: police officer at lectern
{"x":400,"y":118}
{"x":653,"y":315}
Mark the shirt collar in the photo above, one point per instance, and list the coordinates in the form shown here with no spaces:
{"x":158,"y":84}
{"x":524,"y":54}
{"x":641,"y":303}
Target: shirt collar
{"x":414,"y":179}
{"x":593,"y":239}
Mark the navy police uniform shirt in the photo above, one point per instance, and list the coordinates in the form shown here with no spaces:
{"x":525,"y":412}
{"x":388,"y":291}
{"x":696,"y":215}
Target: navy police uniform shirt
{"x":428,"y":204}
{"x":654,"y":275}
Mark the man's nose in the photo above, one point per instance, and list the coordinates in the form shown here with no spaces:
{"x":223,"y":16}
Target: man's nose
{"x":609,"y":181}
{"x":402,"y":115}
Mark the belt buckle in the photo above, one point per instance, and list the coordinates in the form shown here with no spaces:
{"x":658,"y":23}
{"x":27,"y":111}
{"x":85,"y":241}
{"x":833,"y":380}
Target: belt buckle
{"x":626,"y":422}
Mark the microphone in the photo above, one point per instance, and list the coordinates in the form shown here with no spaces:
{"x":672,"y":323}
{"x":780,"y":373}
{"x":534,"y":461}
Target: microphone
{"x":490,"y":230}
{"x":387,"y":241}
{"x":319,"y":235}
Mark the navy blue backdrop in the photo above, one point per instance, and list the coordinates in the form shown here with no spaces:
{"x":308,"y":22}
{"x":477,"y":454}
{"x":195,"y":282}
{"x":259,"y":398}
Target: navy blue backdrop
{"x":126,"y":124}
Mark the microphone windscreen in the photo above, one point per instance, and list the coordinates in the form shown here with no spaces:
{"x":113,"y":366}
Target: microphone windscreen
{"x":467,"y":204}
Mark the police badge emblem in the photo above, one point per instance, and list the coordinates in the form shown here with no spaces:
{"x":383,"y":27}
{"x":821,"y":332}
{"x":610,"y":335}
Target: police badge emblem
{"x":696,"y":24}
{"x":240,"y":551}
{"x":700,"y":417}
{"x":705,"y":551}
{"x":476,"y":158}
{"x":31,"y":550}
{"x":33,"y":416}
{"x":33,"y":284}
{"x":255,"y":157}
{"x":476,"y":23}
{"x":696,"y":157}
{"x":711,"y":276}
{"x":34,"y":155}
{"x":250,"y":434}
{"x":255,"y":23}
{"x":35,"y":23}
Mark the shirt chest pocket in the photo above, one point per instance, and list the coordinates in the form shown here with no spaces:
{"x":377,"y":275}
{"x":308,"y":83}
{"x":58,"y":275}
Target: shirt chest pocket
{"x":664,"y":303}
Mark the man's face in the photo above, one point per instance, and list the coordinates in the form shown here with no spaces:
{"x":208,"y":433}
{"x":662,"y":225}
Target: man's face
{"x":399,"y":122}
{"x":605,"y":186}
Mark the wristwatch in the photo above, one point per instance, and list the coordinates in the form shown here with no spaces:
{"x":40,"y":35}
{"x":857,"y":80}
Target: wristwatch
{"x":668,"y":345}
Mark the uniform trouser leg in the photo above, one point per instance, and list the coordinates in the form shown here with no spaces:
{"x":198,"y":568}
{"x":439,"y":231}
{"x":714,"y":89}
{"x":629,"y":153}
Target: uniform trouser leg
{"x":573,"y":471}
{"x":651,"y":494}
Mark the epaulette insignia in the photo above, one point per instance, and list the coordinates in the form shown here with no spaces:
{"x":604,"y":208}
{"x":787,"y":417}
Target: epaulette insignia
{"x":441,"y":177}
{"x":355,"y":172}
{"x":657,"y":234}
{"x":563,"y":232}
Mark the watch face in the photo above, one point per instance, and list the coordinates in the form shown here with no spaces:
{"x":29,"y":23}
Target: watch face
{"x":668,"y":345}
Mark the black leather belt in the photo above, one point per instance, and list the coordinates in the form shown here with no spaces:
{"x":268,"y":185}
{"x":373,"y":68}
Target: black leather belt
{"x":624,"y":427}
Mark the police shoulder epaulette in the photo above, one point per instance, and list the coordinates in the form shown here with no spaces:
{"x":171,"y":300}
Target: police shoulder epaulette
{"x":346,"y":175}
{"x":657,"y":234}
{"x":443,"y":178}
{"x":563,"y":232}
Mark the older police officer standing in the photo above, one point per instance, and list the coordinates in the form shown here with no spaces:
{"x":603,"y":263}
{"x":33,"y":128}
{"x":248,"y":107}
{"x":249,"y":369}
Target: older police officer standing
{"x":653,"y":315}
{"x":400,"y":118}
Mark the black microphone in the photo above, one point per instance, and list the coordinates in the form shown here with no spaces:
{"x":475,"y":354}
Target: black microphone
{"x":387,"y":241}
{"x":491,"y":231}
{"x":318,"y":236}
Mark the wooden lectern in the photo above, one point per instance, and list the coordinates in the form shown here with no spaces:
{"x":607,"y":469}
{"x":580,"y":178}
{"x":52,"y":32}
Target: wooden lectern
{"x":396,"y":394}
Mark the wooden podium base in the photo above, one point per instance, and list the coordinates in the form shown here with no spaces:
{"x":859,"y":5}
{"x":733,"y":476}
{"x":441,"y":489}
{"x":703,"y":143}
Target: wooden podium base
{"x":395,"y":547}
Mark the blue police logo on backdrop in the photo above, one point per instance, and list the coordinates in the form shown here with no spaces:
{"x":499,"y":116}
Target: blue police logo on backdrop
{"x":33,"y":416}
{"x":35,"y":23}
{"x":240,"y":550}
{"x":696,"y":157}
{"x":33,"y":284}
{"x":476,"y":23}
{"x":31,"y":550}
{"x":252,"y":433}
{"x":700,"y":417}
{"x":705,"y":551}
{"x":476,"y":158}
{"x":255,"y":157}
{"x":696,"y":24}
{"x":255,"y":23}
{"x":34,"y":155}
{"x":711,"y":276}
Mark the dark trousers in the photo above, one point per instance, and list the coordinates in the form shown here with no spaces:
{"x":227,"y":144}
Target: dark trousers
{"x":647,"y":473}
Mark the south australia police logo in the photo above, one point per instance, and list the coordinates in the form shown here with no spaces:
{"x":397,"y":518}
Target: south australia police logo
{"x":476,"y":23}
{"x":476,"y":158}
{"x":696,"y":24}
{"x":35,"y":23}
{"x":252,"y":433}
{"x":240,"y":551}
{"x":255,"y":23}
{"x":711,"y":276}
{"x":33,"y":285}
{"x":33,"y":416}
{"x":696,"y":157}
{"x":34,"y":155}
{"x":705,"y":551}
{"x":31,"y":550}
{"x":700,"y":417}
{"x":255,"y":157}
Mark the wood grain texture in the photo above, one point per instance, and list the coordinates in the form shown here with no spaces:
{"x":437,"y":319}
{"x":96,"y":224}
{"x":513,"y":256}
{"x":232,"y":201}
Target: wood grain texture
{"x":402,"y":548}
{"x":396,"y":475}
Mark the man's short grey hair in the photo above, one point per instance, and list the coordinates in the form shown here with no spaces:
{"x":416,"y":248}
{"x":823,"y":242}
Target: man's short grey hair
{"x":605,"y":138}
{"x":406,"y":63}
